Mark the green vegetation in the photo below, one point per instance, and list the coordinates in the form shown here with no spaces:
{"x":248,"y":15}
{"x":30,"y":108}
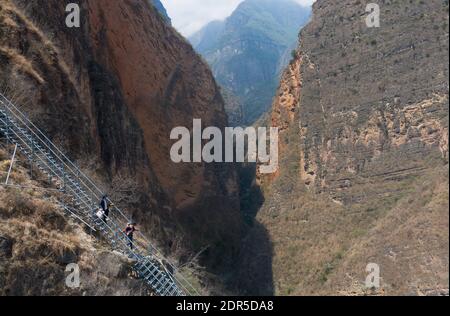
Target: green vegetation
{"x":249,"y":50}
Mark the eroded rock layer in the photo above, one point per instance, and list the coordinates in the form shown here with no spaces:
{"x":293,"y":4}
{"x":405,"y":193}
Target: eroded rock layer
{"x":109,"y":93}
{"x":363,"y":114}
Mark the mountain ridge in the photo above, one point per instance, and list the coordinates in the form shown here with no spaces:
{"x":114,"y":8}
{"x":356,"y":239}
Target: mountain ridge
{"x":249,"y":49}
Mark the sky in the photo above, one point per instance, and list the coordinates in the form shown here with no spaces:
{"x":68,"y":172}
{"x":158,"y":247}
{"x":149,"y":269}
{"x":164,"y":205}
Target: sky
{"x":189,"y":16}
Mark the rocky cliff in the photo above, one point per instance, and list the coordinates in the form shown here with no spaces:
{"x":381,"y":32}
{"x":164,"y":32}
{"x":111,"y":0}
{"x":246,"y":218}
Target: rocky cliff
{"x":363,"y":114}
{"x":109,"y":93}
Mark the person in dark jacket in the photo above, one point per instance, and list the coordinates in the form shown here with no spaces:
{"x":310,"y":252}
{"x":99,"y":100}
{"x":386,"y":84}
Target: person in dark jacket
{"x":104,"y":204}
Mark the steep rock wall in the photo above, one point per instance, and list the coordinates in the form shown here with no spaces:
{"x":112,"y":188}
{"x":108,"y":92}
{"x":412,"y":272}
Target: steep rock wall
{"x":109,"y":93}
{"x":363,"y":114}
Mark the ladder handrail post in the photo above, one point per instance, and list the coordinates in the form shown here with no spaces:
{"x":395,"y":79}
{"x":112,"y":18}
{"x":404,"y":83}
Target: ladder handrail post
{"x":7,"y":134}
{"x":64,"y":177}
{"x":49,"y":168}
{"x":11,"y":165}
{"x":32,"y":156}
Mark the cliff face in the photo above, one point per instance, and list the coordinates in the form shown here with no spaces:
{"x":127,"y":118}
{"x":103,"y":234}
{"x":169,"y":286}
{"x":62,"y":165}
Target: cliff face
{"x":363,"y":114}
{"x":109,"y":93}
{"x":375,"y":100}
{"x":247,"y":51}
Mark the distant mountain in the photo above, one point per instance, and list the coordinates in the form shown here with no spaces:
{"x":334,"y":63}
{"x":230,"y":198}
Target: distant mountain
{"x":207,"y":38}
{"x":162,"y":10}
{"x":248,"y":50}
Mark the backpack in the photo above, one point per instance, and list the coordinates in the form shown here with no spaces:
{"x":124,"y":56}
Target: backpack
{"x":100,"y":214}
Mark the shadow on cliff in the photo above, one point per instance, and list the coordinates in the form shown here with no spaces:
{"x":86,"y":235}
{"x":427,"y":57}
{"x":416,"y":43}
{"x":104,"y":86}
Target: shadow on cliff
{"x":254,"y":275}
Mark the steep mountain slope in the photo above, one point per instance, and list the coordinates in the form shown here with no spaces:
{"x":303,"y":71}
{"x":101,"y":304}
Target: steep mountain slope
{"x":208,"y":37}
{"x":363,"y":115}
{"x":162,"y":10}
{"x":233,"y":107}
{"x":37,"y":242}
{"x":109,"y":93}
{"x":248,"y":51}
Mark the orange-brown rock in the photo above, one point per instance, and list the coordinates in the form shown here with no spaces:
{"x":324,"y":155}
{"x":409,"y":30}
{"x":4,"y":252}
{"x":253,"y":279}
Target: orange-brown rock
{"x":363,"y":178}
{"x":109,"y":93}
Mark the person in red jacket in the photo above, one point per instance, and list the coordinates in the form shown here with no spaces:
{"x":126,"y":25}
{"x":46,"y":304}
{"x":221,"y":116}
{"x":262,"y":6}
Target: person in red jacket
{"x":129,"y":231}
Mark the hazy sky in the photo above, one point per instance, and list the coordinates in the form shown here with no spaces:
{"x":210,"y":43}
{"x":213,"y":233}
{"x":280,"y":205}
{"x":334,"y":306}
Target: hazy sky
{"x":189,"y":16}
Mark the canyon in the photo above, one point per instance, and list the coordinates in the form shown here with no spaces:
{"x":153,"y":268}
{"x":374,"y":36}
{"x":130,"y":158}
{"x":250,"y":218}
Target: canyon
{"x":109,"y":93}
{"x":362,"y":120}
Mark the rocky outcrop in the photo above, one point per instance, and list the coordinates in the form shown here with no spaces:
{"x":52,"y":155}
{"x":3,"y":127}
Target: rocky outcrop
{"x":363,"y":114}
{"x":109,"y":93}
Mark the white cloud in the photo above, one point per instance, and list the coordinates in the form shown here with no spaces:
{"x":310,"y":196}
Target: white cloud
{"x":189,"y":16}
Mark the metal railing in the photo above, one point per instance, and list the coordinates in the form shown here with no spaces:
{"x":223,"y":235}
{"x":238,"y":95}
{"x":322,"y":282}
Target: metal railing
{"x":85,"y":195}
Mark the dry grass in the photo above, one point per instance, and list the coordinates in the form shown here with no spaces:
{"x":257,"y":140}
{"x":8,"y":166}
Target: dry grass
{"x":22,"y":63}
{"x":3,"y":154}
{"x":37,"y":223}
{"x":41,"y":244}
{"x":10,"y":8}
{"x":321,"y":247}
{"x":43,"y":241}
{"x":28,"y":68}
{"x":45,"y":44}
{"x":410,"y":243}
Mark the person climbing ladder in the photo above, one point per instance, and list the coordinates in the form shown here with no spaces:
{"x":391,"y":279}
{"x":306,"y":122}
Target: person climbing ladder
{"x":129,"y":231}
{"x":104,"y":205}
